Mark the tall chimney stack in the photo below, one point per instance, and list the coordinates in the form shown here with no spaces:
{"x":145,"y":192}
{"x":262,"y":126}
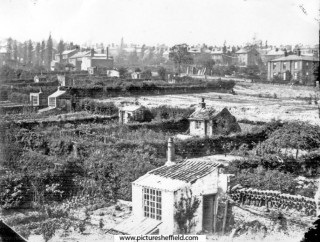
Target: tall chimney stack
{"x":107,"y":53}
{"x":92,"y":52}
{"x":170,"y":153}
{"x":202,"y":104}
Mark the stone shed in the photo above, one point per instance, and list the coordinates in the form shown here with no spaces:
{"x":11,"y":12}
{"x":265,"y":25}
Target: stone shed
{"x":207,"y":121}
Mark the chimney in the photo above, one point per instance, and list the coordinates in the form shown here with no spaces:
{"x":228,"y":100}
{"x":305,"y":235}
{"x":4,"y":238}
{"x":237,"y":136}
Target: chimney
{"x":299,"y":52}
{"x":202,"y":104}
{"x":102,"y":51}
{"x":92,"y":52}
{"x":285,"y":52}
{"x":107,"y":53}
{"x":170,"y":153}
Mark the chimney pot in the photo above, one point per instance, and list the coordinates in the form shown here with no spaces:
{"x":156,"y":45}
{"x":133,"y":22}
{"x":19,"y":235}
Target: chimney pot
{"x":202,"y":104}
{"x":170,"y":153}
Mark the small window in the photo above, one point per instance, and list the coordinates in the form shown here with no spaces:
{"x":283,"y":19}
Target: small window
{"x":198,"y":124}
{"x":284,"y":66}
{"x":274,"y":65}
{"x":295,"y":65}
{"x":152,"y":203}
{"x":295,"y":76}
{"x":307,"y":64}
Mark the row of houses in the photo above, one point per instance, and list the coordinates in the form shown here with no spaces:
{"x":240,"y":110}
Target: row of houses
{"x":84,"y":60}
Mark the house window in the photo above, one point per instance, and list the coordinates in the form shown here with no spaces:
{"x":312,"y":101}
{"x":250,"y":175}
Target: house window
{"x":295,"y":65}
{"x":198,"y":124}
{"x":284,"y":66}
{"x":307,"y":64}
{"x":274,"y":65}
{"x":295,"y":75}
{"x":152,"y":203}
{"x":35,"y":101}
{"x":52,"y":102}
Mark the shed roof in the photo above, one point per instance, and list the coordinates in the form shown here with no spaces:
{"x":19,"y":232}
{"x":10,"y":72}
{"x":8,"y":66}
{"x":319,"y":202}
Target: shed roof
{"x":204,"y":113}
{"x":159,"y":182}
{"x":58,"y":93}
{"x":188,"y":171}
{"x":296,"y":58}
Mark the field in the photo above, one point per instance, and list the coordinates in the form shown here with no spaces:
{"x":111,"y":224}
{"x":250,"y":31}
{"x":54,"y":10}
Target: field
{"x":255,"y":102}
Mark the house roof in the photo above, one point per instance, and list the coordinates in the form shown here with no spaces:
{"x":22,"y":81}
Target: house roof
{"x":203,"y":113}
{"x":296,"y":58}
{"x":132,"y":226}
{"x":242,"y":51}
{"x":275,"y":52}
{"x":58,"y":93}
{"x":188,"y":171}
{"x":80,"y":54}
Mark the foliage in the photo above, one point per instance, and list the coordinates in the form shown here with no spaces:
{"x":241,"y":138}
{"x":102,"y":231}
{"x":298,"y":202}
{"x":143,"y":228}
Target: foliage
{"x":48,"y":230}
{"x":293,"y":135}
{"x":95,"y":107}
{"x":185,"y":210}
{"x":179,"y":55}
{"x":162,"y":73}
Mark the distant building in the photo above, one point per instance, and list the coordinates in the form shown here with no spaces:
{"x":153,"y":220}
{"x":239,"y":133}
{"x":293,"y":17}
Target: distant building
{"x":100,"y":61}
{"x":273,"y":54}
{"x":133,"y":113}
{"x":4,"y":56}
{"x":113,"y":73}
{"x":300,"y":67}
{"x":39,"y":99}
{"x":208,"y":122}
{"x":65,"y":56}
{"x":155,"y":194}
{"x":136,"y":75}
{"x":248,"y":57}
{"x":59,"y":99}
{"x":76,"y":59}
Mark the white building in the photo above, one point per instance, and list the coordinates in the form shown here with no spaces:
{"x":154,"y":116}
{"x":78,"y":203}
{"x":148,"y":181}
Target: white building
{"x":154,"y":196}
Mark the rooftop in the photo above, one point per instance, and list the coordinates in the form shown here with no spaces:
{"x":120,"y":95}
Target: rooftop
{"x":296,"y":58}
{"x":187,"y":171}
{"x":204,"y":113}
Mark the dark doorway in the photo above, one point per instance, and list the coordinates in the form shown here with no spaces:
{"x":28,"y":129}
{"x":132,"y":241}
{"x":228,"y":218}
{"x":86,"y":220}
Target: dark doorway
{"x":208,"y":213}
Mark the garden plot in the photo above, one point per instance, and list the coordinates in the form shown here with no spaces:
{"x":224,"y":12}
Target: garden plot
{"x":253,"y":102}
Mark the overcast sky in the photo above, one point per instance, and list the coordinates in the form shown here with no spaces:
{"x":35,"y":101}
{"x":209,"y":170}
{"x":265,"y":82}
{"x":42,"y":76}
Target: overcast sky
{"x":162,"y":21}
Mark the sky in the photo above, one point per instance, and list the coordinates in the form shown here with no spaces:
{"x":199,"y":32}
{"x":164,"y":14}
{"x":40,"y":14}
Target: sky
{"x":168,"y":22}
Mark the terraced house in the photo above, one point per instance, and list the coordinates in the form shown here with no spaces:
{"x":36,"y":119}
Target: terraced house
{"x":296,"y":67}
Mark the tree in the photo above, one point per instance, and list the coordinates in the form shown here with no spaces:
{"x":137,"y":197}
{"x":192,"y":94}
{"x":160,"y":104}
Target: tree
{"x":123,"y":72}
{"x":61,"y":47}
{"x":42,"y":52}
{"x":133,"y":58}
{"x":30,"y":49}
{"x":205,"y":60}
{"x":162,"y":73}
{"x":15,"y":51}
{"x":294,"y":135}
{"x":146,"y":74}
{"x":49,"y":52}
{"x":37,"y":54}
{"x":25,"y":52}
{"x":179,"y":55}
{"x":9,"y":48}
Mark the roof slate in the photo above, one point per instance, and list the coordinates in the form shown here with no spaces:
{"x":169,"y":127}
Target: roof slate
{"x":204,"y":113}
{"x":188,"y":171}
